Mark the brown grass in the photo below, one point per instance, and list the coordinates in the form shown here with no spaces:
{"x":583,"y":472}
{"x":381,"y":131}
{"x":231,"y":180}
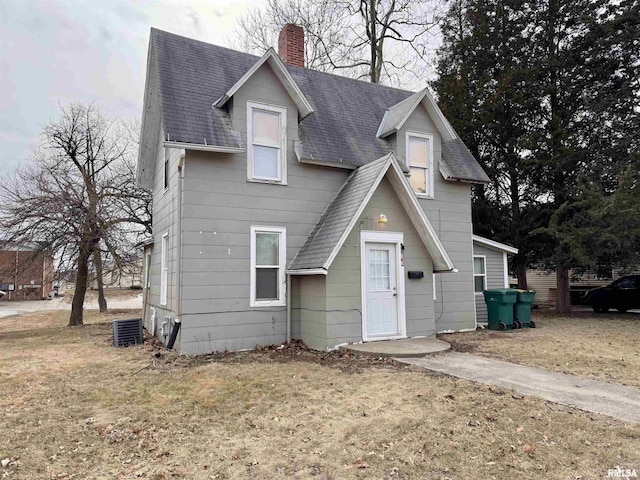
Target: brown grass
{"x":602,"y":347}
{"x":75,"y":407}
{"x":109,"y":294}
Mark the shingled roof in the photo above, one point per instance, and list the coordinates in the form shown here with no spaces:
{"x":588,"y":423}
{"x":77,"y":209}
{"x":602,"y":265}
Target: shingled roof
{"x":341,"y":130}
{"x":327,"y":237}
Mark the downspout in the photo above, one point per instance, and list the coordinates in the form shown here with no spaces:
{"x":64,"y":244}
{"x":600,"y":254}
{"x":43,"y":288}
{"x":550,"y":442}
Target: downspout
{"x":178,"y":320}
{"x":181,"y":166}
{"x":288,"y":308}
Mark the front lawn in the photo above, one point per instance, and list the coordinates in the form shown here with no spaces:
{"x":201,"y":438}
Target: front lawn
{"x":72,"y":406}
{"x":599,"y":346}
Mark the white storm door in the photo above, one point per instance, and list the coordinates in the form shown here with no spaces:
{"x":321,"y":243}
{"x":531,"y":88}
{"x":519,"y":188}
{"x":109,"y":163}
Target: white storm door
{"x":381,"y":291}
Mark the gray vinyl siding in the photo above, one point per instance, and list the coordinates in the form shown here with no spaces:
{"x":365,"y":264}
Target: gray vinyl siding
{"x":450,"y":214}
{"x":165,"y":216}
{"x":495,"y":276}
{"x":308,"y":310}
{"x":343,"y":282}
{"x":219,"y":208}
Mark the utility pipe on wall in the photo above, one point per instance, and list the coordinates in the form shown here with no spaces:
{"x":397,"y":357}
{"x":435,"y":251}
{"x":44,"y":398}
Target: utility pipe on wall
{"x":288,"y":308}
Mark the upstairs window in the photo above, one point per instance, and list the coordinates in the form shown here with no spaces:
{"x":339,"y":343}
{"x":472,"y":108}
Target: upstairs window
{"x":420,"y":162}
{"x":266,"y":143}
{"x":268,"y":257}
{"x":479,"y":274}
{"x":165,"y":171}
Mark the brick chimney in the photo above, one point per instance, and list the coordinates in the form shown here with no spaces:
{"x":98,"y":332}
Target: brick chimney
{"x":291,"y":45}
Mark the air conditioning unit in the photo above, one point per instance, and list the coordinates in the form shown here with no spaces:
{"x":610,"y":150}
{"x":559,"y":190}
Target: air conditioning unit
{"x":127,"y":332}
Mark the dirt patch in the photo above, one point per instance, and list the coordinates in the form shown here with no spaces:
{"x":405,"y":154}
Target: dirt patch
{"x":143,"y":412}
{"x":598,"y":346}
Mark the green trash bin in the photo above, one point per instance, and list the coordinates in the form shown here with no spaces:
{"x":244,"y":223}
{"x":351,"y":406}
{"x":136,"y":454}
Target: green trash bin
{"x":500,"y":303}
{"x":522,"y":309}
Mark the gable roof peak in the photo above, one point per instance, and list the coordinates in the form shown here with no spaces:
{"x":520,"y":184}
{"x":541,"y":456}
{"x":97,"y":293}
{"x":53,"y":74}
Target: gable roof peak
{"x":397,"y":115}
{"x":271,"y":58}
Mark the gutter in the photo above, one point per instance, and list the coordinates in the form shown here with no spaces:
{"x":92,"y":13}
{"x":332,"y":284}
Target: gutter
{"x":202,"y":147}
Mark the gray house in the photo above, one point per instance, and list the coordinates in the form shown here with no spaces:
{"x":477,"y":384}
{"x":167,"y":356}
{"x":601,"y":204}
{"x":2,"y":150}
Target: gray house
{"x":290,"y":203}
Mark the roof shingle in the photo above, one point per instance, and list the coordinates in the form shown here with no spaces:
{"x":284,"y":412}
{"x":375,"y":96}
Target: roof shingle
{"x":341,"y":130}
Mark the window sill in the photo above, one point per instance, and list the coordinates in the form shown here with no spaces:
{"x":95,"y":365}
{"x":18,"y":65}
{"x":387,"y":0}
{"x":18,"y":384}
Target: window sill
{"x":425,"y":196}
{"x":264,"y":180}
{"x":255,"y":304}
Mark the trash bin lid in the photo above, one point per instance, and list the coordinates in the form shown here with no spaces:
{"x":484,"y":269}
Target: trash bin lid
{"x":503,"y":291}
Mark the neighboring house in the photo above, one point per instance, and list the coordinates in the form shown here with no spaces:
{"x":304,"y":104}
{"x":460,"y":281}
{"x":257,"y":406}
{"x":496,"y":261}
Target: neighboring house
{"x":128,"y":276}
{"x":544,"y":282}
{"x":490,"y":270}
{"x":25,"y":273}
{"x":283,"y":206}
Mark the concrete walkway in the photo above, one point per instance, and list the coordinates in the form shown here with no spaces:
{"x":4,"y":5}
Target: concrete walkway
{"x":609,"y":399}
{"x":407,"y":347}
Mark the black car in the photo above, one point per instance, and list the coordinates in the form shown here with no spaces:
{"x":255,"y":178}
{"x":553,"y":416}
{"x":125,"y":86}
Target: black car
{"x":623,"y":295}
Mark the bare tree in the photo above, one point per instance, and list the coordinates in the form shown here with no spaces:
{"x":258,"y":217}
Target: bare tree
{"x":77,"y":195}
{"x":384,"y":41}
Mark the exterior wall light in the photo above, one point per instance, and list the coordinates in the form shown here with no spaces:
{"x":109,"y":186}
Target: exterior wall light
{"x":382,"y":218}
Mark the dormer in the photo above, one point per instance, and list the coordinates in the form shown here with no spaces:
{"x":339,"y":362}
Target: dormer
{"x":271,"y":59}
{"x":428,"y":144}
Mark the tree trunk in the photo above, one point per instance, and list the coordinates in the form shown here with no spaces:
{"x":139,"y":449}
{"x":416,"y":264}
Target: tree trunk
{"x":97,"y":262}
{"x":521,"y":272}
{"x":563,"y":304}
{"x":81,"y":287}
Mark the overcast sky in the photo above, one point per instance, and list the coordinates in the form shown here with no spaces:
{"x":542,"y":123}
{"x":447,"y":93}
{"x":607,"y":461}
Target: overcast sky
{"x":54,"y":52}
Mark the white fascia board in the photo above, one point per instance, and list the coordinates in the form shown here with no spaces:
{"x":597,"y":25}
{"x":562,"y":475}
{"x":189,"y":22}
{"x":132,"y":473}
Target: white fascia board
{"x":279,"y":68}
{"x":416,"y":102}
{"x":308,"y":271}
{"x":445,"y":128}
{"x":380,"y":133}
{"x":327,"y":164}
{"x":202,"y":147}
{"x":501,"y":247}
{"x":361,"y":208}
{"x":410,"y":202}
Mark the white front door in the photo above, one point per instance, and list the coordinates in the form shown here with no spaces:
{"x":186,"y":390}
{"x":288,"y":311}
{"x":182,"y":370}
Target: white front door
{"x":381,"y":291}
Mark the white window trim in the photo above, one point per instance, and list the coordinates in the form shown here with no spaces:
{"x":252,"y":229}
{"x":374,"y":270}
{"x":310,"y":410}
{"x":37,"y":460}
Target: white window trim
{"x":283,"y":143}
{"x":397,"y":238}
{"x":164,"y":269}
{"x":166,"y":165}
{"x":484,"y":275}
{"x":282,"y":257}
{"x":147,"y":270}
{"x":430,"y":161}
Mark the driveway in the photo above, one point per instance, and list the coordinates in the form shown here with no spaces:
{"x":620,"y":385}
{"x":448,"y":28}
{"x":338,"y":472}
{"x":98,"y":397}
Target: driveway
{"x":616,"y":401}
{"x":21,"y":307}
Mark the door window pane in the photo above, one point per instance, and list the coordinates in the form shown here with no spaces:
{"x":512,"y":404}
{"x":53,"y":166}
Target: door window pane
{"x":379,"y":278}
{"x":265,"y":162}
{"x":418,"y":180}
{"x":266,"y":284}
{"x":266,"y":127}
{"x":418,"y":151}
{"x":267,"y":248}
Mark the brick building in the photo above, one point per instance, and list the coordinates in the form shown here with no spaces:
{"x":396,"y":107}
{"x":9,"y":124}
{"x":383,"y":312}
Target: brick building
{"x":25,"y":274}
